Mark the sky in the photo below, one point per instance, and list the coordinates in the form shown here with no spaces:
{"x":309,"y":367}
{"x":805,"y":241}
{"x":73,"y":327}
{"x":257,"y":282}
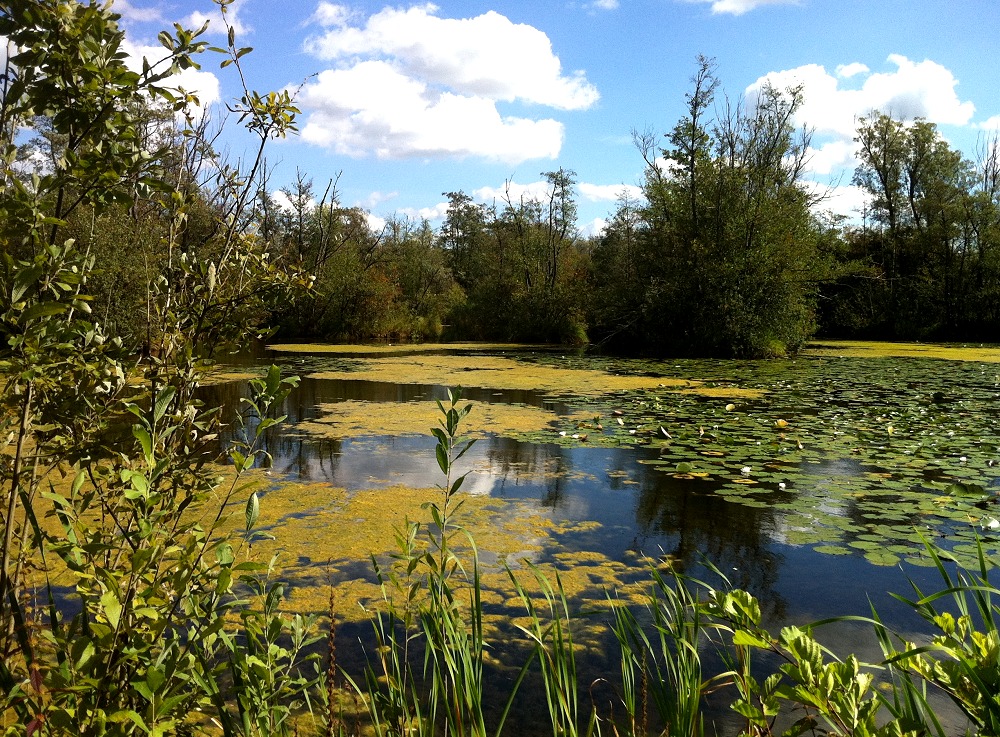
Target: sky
{"x":402,"y":102}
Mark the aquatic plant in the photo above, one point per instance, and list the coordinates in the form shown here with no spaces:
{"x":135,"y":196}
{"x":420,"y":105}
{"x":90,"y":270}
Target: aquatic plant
{"x":433,"y":609}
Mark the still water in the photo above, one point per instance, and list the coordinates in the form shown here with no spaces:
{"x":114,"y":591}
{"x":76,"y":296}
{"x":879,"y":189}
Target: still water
{"x":637,"y":507}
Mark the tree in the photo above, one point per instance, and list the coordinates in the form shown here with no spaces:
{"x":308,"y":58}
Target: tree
{"x":134,"y":643}
{"x":930,"y":243}
{"x":729,"y":240}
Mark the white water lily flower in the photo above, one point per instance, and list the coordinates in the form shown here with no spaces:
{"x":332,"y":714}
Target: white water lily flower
{"x":746,"y":470}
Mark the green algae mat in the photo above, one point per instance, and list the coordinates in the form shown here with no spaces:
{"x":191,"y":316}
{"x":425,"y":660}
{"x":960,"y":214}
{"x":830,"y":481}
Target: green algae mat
{"x":854,"y":448}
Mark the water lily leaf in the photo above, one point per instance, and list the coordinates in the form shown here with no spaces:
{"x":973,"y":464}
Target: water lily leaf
{"x":971,"y":490}
{"x":882,"y":558}
{"x":833,"y":550}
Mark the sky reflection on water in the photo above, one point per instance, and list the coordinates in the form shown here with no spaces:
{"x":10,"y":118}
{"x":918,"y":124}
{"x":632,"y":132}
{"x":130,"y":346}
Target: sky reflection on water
{"x":638,"y":508}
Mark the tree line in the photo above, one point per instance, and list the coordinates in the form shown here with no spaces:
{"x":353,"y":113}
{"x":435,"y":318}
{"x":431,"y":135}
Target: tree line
{"x":729,"y":251}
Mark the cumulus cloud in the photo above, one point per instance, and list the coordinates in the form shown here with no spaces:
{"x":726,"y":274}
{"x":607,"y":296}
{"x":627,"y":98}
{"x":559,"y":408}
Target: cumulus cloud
{"x":432,"y":214}
{"x":216,"y":25}
{"x":205,"y":85}
{"x":923,"y":89}
{"x":514,"y":191}
{"x":470,"y":56}
{"x":408,"y":83}
{"x":375,"y":223}
{"x":594,"y":228}
{"x":843,"y":199}
{"x":832,"y":103}
{"x":991,"y":124}
{"x":831,"y":157}
{"x":739,"y":7}
{"x":847,"y":71}
{"x":608,"y":192}
{"x":372,"y":108}
{"x":133,"y":14}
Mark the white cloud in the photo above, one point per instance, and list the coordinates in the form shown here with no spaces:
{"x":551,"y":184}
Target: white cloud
{"x":434,"y":213}
{"x":991,"y":124}
{"x":133,"y":14}
{"x":330,"y":15}
{"x":608,"y":192}
{"x":846,"y":199}
{"x":913,"y":90}
{"x":372,"y":108}
{"x":216,"y":25}
{"x":833,"y":103}
{"x":846,"y":71}
{"x":375,"y":223}
{"x":515,"y":192}
{"x":284,"y":202}
{"x":739,"y":7}
{"x":470,"y":56}
{"x":595,"y":227}
{"x":832,"y":157}
{"x":604,"y":5}
{"x":7,"y":49}
{"x":205,"y":85}
{"x":377,"y":198}
{"x":409,"y":83}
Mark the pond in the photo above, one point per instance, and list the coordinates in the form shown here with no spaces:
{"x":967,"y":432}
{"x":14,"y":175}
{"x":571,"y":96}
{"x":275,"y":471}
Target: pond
{"x":811,"y":482}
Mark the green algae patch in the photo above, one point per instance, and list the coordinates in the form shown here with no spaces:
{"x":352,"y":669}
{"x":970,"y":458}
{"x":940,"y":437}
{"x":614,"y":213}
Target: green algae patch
{"x":375,"y":349}
{"x":325,"y":542}
{"x":500,"y":372}
{"x":356,"y":418}
{"x":875,"y":349}
{"x":322,"y":537}
{"x":226,"y":375}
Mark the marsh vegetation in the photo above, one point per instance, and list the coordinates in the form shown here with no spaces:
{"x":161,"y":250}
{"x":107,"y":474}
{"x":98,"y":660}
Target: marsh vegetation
{"x":181,"y":537}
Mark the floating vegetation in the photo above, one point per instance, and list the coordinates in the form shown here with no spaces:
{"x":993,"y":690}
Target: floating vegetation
{"x":318,"y":535}
{"x":848,"y":439}
{"x":503,"y":372}
{"x":354,"y":418}
{"x":874,"y":349}
{"x":381,"y":349}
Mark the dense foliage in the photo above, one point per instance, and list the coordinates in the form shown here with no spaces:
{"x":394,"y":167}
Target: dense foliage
{"x":930,"y":241}
{"x":127,"y":603}
{"x":728,"y":252}
{"x":724,"y":256}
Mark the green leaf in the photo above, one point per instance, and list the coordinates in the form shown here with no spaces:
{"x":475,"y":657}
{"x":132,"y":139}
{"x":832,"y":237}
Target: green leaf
{"x":252,"y":510}
{"x":743,"y":638}
{"x":162,"y":402}
{"x":442,"y":458}
{"x":142,"y":435}
{"x":112,"y":608}
{"x":273,"y":380}
{"x":224,"y":554}
{"x":42,"y":309}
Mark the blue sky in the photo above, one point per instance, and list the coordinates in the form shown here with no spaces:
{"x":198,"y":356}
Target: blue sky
{"x":406,"y":101}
